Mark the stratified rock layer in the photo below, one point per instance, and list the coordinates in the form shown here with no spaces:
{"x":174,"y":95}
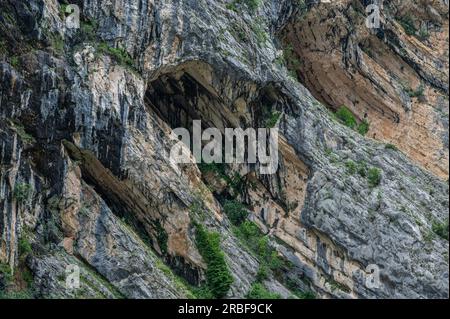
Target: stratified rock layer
{"x":86,"y":132}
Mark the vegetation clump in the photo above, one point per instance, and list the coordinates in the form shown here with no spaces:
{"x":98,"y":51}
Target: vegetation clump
{"x":258,"y":291}
{"x":236,"y":211}
{"x":407,"y":23}
{"x":161,"y":236}
{"x":273,"y":118}
{"x":374,"y":176}
{"x":391,"y":147}
{"x":22,"y":192}
{"x":346,"y":117}
{"x":218,"y":275}
{"x":120,"y":55}
{"x":258,"y":243}
{"x":252,"y":5}
{"x":440,"y":229}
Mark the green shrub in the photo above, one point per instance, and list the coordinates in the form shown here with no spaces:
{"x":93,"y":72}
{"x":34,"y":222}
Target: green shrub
{"x":374,"y":176}
{"x":363,"y":127}
{"x":236,"y":182}
{"x":28,"y":277}
{"x":15,"y":62}
{"x":291,"y":58}
{"x":257,"y":242}
{"x":362,"y":169}
{"x":351,"y":167}
{"x":3,"y":47}
{"x":440,"y":229}
{"x":407,"y":23}
{"x":62,"y":10}
{"x":424,"y":34}
{"x":263,"y":273}
{"x":5,"y":271}
{"x":24,"y":246}
{"x":235,"y":211}
{"x":391,"y":147}
{"x":216,"y":168}
{"x":258,"y":291}
{"x":419,"y":92}
{"x":202,"y":292}
{"x":21,"y":132}
{"x":57,"y":43}
{"x":120,"y":55}
{"x":218,"y":276}
{"x":25,"y":294}
{"x":251,"y":4}
{"x":346,"y":117}
{"x":260,"y":32}
{"x":88,"y":29}
{"x":161,"y":236}
{"x":22,"y":192}
{"x":273,"y":118}
{"x":306,"y":295}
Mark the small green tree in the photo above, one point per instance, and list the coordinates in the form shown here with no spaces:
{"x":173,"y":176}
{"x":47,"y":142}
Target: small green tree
{"x":218,"y":276}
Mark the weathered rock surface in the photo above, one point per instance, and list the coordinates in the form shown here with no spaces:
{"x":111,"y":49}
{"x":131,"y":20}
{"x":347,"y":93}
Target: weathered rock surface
{"x":86,"y":128}
{"x":394,"y":77}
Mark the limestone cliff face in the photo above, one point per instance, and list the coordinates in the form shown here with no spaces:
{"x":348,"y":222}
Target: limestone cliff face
{"x":86,"y":130}
{"x":394,"y":77}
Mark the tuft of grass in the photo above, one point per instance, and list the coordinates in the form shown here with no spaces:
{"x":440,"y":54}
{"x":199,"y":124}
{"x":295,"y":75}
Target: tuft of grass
{"x":424,"y":34}
{"x":15,"y":62}
{"x":374,"y":176}
{"x":362,"y":169}
{"x":351,"y":167}
{"x":258,"y":28}
{"x":440,"y":229}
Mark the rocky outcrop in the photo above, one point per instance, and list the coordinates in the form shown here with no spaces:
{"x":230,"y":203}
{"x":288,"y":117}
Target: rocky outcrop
{"x":86,"y":179}
{"x":395,"y":76}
